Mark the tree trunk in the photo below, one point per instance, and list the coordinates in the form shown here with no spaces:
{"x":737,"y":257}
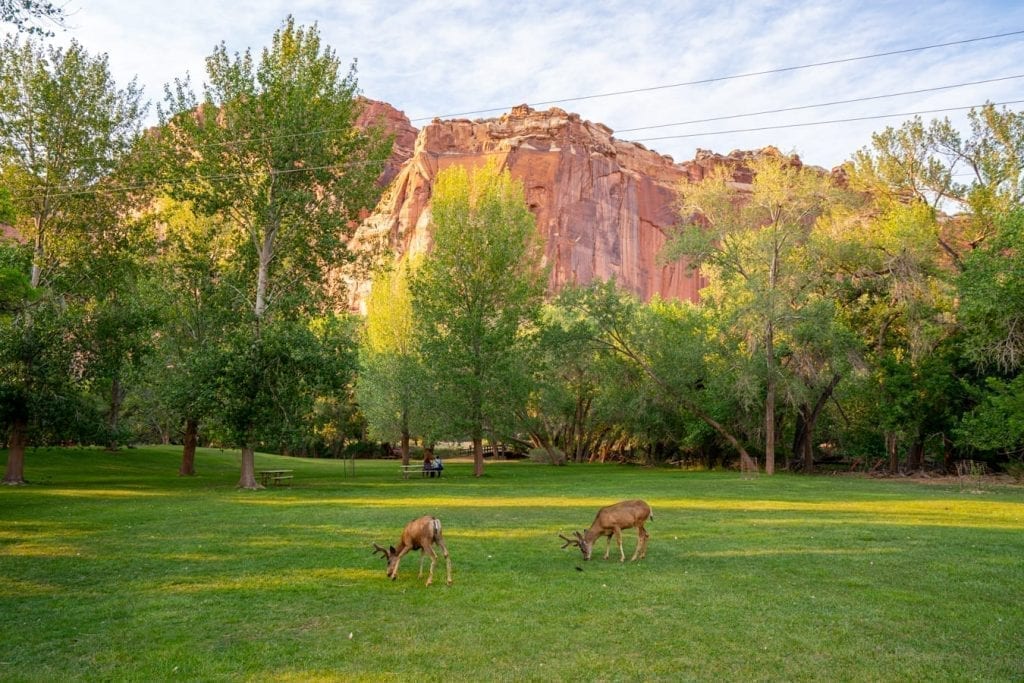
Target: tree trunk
{"x":891,"y":442}
{"x":405,"y":446}
{"x":114,"y":415}
{"x":478,"y":456}
{"x":948,"y":455}
{"x":266,"y":254}
{"x":14,"y":475}
{"x":248,"y":478}
{"x":188,"y":452}
{"x":915,"y":455}
{"x":769,"y":402}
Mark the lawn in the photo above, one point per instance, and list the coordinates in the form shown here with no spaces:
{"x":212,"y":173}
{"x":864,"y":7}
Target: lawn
{"x":114,"y":568}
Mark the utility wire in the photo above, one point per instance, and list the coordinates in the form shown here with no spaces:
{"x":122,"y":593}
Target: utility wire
{"x":687,"y":83}
{"x":823,"y":123}
{"x":67,"y":192}
{"x":718,"y":79}
{"x":867,"y":98}
{"x":815,"y":106}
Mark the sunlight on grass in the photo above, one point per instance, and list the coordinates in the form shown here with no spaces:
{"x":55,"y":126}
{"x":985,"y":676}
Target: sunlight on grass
{"x":101,"y":493}
{"x":780,"y":552}
{"x":19,"y":588}
{"x":41,"y":541}
{"x":946,"y":512}
{"x":286,"y":580}
{"x":954,"y":513}
{"x":495,"y":533}
{"x":40,"y":548}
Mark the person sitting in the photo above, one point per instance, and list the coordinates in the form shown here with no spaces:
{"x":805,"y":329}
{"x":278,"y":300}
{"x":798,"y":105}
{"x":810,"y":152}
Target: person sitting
{"x":438,"y":465}
{"x":428,"y":465}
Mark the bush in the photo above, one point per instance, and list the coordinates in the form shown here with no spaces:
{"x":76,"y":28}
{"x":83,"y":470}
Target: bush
{"x":1015,"y":468}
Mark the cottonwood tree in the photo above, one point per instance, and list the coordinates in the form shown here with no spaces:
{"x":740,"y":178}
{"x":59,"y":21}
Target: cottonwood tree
{"x":749,"y":245}
{"x":272,"y":150}
{"x":477,"y":300}
{"x":991,"y":315}
{"x":65,"y":129}
{"x":392,"y":389}
{"x":673,"y":346}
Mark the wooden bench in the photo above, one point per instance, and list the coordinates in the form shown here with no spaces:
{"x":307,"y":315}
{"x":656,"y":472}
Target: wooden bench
{"x":275,"y":477}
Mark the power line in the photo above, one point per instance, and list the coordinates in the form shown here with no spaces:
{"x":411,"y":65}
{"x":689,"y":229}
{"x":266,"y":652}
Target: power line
{"x":68,"y":192}
{"x":718,"y":79}
{"x":815,"y":106}
{"x":867,"y":98}
{"x":823,"y":123}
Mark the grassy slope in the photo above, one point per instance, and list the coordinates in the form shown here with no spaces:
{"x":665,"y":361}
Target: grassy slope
{"x":112,"y":567}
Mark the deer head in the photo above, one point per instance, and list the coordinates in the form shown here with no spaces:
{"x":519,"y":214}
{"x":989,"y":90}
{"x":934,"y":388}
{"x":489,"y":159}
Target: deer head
{"x":390,"y":556}
{"x":580,"y":541}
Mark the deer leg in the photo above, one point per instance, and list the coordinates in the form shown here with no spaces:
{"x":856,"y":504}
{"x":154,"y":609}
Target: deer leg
{"x":447,"y":559}
{"x":398,"y":560}
{"x":608,"y":545}
{"x":433,"y":558}
{"x":618,"y":539}
{"x":641,"y":543}
{"x":423,"y":554}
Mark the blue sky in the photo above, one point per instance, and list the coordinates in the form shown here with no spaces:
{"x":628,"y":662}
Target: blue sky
{"x":439,"y":57}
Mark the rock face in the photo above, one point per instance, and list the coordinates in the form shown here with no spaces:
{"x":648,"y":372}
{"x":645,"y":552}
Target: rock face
{"x":394,"y":122}
{"x":603,"y":206}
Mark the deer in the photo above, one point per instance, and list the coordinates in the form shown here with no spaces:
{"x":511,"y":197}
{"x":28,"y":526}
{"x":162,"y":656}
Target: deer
{"x":419,"y":534}
{"x":610,"y":521}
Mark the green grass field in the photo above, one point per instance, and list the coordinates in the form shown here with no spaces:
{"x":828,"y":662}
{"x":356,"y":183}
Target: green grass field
{"x":114,"y":568}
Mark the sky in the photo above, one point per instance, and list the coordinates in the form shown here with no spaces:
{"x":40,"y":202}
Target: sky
{"x":437,"y":58}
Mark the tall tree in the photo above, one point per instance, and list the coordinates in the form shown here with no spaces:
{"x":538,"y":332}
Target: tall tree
{"x":273,"y":151}
{"x":392,"y":389}
{"x":750,"y":246}
{"x":477,"y":300}
{"x":65,"y":128}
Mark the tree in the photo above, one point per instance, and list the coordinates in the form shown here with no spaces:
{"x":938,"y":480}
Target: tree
{"x":673,"y":345}
{"x":750,"y":246}
{"x":272,"y":151}
{"x":477,"y":300}
{"x":392,"y":390}
{"x":25,"y":15}
{"x":991,"y":314}
{"x":65,"y":129}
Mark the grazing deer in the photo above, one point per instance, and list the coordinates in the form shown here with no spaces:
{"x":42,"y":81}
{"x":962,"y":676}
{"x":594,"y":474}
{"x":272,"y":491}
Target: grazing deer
{"x":419,"y":534}
{"x":610,"y":521}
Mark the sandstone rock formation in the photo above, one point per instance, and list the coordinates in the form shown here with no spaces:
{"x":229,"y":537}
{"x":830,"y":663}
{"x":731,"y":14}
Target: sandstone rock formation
{"x":394,"y":122}
{"x":604,"y":207}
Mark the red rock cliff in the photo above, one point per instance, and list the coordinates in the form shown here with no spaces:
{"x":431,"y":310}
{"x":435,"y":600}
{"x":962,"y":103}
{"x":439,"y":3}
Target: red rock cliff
{"x":603,"y":206}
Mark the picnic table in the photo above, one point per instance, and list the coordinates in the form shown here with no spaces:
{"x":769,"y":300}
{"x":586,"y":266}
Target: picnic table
{"x":418,"y":467}
{"x":275,"y":477}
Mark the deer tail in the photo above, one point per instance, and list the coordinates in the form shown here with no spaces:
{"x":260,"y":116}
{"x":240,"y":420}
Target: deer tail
{"x":436,"y":523}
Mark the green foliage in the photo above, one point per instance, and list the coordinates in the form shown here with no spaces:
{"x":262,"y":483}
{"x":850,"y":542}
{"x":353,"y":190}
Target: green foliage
{"x":477,"y":300}
{"x":27,"y":15}
{"x":991,"y":288}
{"x":393,"y":389}
{"x":997,"y":422}
{"x":272,"y":150}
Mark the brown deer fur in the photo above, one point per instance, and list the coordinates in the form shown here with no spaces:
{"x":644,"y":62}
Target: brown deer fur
{"x":419,"y":534}
{"x":610,"y":521}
